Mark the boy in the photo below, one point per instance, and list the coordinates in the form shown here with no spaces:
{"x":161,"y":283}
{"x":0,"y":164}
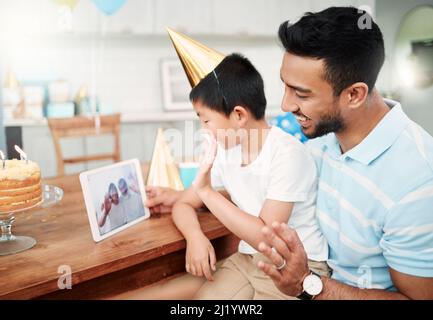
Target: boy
{"x":268,"y":175}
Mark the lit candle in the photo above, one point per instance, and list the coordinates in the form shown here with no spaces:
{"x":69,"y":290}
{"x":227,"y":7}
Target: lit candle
{"x":23,"y":155}
{"x":2,"y":156}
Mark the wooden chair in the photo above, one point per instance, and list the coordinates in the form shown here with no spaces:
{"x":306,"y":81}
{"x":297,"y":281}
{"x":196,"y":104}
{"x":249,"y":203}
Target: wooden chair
{"x":83,"y":127}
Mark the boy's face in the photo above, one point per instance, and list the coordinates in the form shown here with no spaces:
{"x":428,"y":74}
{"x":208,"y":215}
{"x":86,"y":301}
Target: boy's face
{"x":223,"y":128}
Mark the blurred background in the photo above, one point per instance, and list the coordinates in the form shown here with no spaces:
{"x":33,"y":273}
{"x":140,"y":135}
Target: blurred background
{"x":65,"y":58}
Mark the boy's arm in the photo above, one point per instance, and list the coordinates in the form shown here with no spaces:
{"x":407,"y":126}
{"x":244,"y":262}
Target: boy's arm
{"x":200,"y":256}
{"x":184,"y":214}
{"x":242,"y":224}
{"x":162,"y":200}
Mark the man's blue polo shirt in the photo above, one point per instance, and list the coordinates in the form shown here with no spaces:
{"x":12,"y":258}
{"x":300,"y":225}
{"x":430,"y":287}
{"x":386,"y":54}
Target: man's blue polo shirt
{"x":375,"y":202}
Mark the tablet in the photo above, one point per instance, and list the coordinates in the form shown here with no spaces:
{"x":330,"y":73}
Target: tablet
{"x":114,"y":197}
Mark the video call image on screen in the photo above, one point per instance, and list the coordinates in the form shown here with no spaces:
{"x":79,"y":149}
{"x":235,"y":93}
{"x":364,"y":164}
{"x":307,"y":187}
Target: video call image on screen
{"x":116,"y":197}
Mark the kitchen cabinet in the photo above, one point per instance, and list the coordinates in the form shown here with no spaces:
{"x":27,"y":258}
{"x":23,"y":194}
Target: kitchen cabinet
{"x":151,"y":17}
{"x":241,"y":17}
{"x":260,"y":17}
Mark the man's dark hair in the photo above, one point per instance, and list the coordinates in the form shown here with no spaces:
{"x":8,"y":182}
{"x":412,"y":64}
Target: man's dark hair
{"x":352,"y":52}
{"x":234,"y":82}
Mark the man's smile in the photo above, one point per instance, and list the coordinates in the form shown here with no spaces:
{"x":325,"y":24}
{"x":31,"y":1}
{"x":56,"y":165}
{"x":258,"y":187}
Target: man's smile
{"x":302,"y":119}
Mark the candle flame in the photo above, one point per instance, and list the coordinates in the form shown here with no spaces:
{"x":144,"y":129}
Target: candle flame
{"x":21,"y":152}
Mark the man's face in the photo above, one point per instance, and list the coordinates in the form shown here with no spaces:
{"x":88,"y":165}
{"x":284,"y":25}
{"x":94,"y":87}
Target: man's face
{"x":114,"y":196}
{"x":123,"y":189}
{"x":223,"y":128}
{"x":310,"y":97}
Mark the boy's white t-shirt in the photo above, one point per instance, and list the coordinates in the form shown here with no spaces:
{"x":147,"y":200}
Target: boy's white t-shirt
{"x":283,"y":171}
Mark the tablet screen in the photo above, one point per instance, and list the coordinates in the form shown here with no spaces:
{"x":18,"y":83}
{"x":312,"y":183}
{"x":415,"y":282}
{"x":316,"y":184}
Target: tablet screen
{"x":114,"y":197}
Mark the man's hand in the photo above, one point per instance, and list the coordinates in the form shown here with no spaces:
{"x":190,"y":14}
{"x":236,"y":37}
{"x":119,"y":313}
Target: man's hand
{"x":200,"y":256}
{"x":161,"y":200}
{"x":202,"y":181}
{"x":288,"y":250}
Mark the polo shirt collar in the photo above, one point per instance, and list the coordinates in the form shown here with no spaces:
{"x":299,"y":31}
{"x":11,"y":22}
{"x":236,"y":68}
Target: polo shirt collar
{"x":378,"y":140}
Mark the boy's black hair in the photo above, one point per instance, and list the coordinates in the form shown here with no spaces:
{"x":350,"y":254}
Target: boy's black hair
{"x":234,"y":82}
{"x":346,"y":38}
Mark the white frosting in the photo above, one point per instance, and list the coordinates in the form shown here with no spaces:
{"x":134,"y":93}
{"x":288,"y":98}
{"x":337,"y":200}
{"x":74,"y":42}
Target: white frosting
{"x":18,"y":169}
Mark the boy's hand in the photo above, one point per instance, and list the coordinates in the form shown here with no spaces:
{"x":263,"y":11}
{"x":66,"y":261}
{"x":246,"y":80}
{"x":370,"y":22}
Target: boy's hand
{"x":161,"y":200}
{"x":200,"y":257}
{"x":202,"y":181}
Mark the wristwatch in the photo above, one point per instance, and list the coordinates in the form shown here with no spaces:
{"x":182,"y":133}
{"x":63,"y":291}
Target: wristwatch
{"x":312,"y":286}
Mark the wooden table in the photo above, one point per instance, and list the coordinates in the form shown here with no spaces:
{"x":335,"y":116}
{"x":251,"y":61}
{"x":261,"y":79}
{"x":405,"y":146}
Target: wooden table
{"x":143,"y":254}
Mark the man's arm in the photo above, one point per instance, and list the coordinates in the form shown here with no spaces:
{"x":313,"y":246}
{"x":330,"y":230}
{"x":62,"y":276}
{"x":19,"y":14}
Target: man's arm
{"x":289,"y":280}
{"x":409,"y":287}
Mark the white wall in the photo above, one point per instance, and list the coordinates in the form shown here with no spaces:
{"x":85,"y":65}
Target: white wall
{"x":126,"y":69}
{"x":416,"y":102}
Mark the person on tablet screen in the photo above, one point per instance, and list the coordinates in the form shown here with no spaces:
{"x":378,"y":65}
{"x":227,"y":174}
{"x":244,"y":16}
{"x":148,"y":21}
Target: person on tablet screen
{"x":130,"y":201}
{"x":113,"y":210}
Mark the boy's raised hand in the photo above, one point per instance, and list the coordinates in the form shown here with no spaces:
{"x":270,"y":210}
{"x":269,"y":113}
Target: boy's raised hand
{"x":200,"y":257}
{"x":203,"y":178}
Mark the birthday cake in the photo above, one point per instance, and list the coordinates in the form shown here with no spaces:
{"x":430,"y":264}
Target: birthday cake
{"x":20,"y":185}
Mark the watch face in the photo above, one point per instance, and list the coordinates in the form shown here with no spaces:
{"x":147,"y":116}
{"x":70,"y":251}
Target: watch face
{"x":313,"y":285}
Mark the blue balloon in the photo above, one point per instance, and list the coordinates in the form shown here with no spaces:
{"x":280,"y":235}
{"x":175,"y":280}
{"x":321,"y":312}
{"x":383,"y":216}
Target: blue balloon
{"x":288,"y":123}
{"x":109,"y":7}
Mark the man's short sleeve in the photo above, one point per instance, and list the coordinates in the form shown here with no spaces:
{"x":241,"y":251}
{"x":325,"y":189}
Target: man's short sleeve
{"x":407,"y":241}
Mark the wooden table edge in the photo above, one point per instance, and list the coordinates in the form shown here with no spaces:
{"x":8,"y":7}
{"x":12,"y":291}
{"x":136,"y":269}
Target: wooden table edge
{"x":51,"y":285}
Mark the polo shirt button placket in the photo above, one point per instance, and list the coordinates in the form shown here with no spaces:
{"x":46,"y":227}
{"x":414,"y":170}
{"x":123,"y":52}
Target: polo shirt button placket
{"x":335,"y":181}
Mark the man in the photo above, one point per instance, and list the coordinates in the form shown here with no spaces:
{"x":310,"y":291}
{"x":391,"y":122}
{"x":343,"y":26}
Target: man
{"x":130,"y":201}
{"x":112,"y":209}
{"x":375,"y":168}
{"x":375,"y":165}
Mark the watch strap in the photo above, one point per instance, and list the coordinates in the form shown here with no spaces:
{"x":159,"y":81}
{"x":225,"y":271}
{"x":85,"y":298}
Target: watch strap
{"x":305,"y":295}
